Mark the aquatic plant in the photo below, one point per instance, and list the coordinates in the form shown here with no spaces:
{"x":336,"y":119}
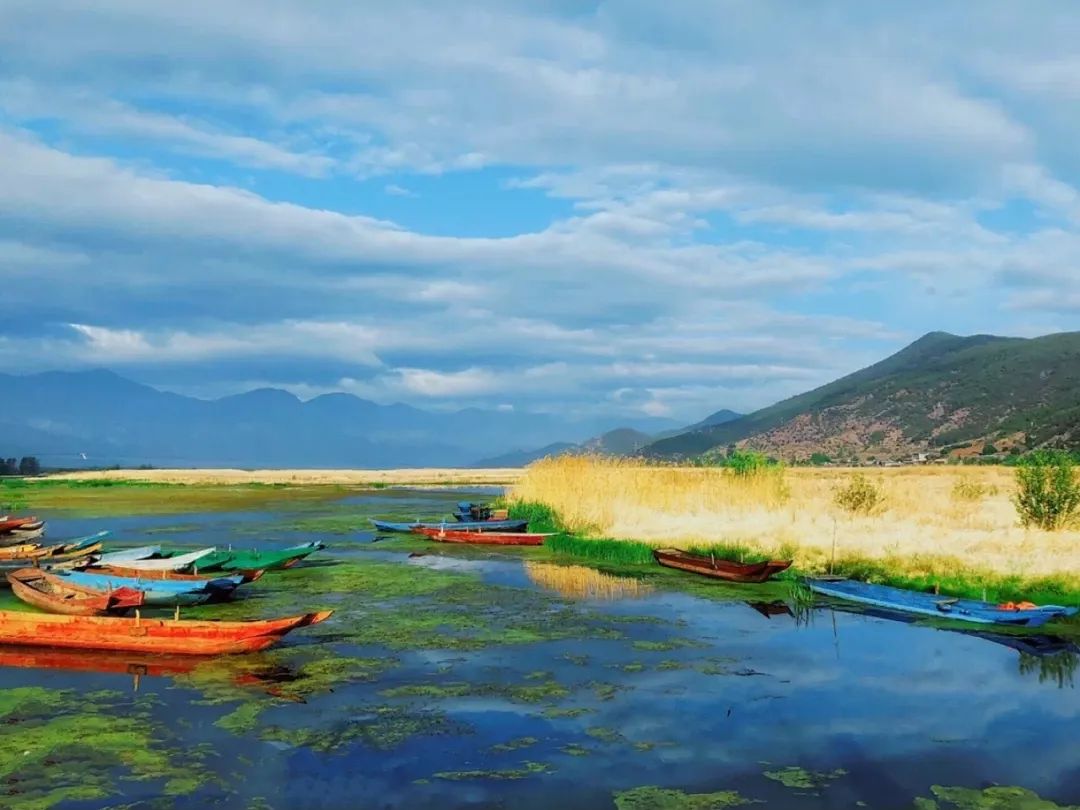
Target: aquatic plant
{"x":655,"y":798}
{"x":802,"y":779}
{"x":998,"y":797}
{"x":603,"y":550}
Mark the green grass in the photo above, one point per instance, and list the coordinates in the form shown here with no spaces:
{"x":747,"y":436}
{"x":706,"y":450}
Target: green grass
{"x":541,"y":517}
{"x":601,"y":550}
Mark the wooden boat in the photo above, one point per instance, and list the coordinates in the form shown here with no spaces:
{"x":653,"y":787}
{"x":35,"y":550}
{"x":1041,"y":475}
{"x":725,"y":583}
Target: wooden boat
{"x":126,"y":555}
{"x":58,"y":556}
{"x":168,"y":636}
{"x":483,"y":538}
{"x":476,"y":526}
{"x":56,"y":595}
{"x":716,"y":568}
{"x":936,"y":605}
{"x":9,"y":523}
{"x":151,"y":575}
{"x":21,"y":536}
{"x":161,"y":593}
{"x":21,"y":550}
{"x":246,"y":560}
{"x":181,"y":562}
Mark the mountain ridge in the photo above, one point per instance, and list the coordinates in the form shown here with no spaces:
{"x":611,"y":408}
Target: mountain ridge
{"x":940,"y":390}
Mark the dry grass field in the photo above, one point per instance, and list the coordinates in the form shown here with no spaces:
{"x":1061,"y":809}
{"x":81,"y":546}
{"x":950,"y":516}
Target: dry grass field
{"x":932,"y":520}
{"x":301,"y":477}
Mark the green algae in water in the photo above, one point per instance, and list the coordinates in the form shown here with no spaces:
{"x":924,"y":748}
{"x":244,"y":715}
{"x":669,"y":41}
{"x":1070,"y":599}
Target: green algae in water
{"x":558,"y":713}
{"x":526,"y":770}
{"x":802,"y":779}
{"x":93,"y":738}
{"x":604,"y":735}
{"x":655,"y":798}
{"x":991,"y":798}
{"x":575,"y":750}
{"x":379,"y":727}
{"x":529,"y":693}
{"x":514,"y":745}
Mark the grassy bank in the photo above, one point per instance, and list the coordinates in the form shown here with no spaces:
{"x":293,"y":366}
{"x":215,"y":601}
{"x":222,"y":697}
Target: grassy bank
{"x":110,"y":497}
{"x":956,"y":529}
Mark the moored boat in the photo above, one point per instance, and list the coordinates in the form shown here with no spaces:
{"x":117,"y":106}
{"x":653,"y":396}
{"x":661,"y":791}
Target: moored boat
{"x":247,"y":560}
{"x":456,"y":535}
{"x":57,"y":556}
{"x":56,"y":595}
{"x":17,"y":536}
{"x":138,"y":634}
{"x":152,"y":575}
{"x":479,"y":526}
{"x":180,"y":562}
{"x":727,"y":570}
{"x":125,"y":555}
{"x":9,"y":523}
{"x":161,"y":593}
{"x":938,"y":605}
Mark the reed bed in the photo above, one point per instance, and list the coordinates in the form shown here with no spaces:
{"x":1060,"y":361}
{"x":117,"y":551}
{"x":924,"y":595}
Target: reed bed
{"x":932,"y":522}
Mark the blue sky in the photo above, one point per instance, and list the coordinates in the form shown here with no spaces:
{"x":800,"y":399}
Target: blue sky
{"x":611,"y":208}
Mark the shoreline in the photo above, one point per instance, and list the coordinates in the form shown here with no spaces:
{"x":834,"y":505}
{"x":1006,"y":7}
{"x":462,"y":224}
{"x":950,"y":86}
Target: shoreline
{"x":429,"y":476}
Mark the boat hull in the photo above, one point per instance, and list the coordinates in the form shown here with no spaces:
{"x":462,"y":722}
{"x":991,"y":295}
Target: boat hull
{"x":150,"y":575}
{"x":935,"y":605}
{"x":167,"y":636}
{"x":51,"y":593}
{"x":504,"y":526}
{"x":483,"y":538}
{"x":727,"y":570}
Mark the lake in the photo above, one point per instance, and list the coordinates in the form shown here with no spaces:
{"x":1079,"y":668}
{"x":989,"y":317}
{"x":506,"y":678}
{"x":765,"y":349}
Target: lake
{"x":463,"y":677}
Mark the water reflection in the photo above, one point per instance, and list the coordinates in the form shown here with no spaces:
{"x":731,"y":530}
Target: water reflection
{"x":579,"y":582}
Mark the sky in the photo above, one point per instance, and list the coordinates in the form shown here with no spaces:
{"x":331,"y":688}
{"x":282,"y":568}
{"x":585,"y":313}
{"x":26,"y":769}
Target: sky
{"x":621,"y":209}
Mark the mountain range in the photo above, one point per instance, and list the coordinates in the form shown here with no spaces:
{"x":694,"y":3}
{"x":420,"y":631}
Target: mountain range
{"x":942,"y":393}
{"x":60,"y":417}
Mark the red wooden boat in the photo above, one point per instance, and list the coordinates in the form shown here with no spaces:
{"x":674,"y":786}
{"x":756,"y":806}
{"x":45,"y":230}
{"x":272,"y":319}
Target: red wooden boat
{"x":151,"y":574}
{"x":483,"y":538}
{"x":719,"y":569}
{"x":169,"y":636}
{"x":9,"y":524}
{"x":55,"y":595}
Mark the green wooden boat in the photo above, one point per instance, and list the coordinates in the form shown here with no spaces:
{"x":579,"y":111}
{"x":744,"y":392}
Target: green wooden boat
{"x":250,"y":560}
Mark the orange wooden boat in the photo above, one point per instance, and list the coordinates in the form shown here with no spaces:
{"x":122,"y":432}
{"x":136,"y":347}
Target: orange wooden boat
{"x":169,"y":636}
{"x":719,"y":569}
{"x":53,"y":594}
{"x":482,"y":538}
{"x":152,"y":574}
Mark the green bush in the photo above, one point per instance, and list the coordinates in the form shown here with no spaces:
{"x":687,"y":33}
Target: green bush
{"x":859,"y":496}
{"x":968,"y":489}
{"x":747,"y":463}
{"x":1048,"y":493}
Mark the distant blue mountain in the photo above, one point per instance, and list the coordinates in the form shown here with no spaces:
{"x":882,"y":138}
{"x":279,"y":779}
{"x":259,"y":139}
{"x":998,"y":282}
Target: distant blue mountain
{"x":59,"y":416}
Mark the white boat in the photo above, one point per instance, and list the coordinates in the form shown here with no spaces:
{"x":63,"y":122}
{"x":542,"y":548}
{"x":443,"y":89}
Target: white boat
{"x":163,"y":563}
{"x":130,"y":554}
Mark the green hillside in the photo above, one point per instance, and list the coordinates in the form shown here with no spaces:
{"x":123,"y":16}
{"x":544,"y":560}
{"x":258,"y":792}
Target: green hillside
{"x":940,"y":391}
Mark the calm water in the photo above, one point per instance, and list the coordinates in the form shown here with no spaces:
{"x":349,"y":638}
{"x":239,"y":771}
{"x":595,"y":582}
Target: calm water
{"x":466,"y":678}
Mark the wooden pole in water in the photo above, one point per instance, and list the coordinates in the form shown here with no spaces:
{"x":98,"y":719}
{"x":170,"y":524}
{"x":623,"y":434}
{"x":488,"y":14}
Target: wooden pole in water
{"x":832,"y":562}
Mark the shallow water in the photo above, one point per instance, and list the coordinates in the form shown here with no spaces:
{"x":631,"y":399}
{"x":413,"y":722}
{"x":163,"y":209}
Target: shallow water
{"x":504,"y":678}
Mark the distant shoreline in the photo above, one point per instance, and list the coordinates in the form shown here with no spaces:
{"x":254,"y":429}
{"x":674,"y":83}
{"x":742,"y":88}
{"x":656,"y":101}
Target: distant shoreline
{"x":402,"y":477}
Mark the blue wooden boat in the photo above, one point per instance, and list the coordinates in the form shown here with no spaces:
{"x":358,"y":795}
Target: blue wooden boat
{"x":461,"y":526}
{"x":160,"y":592}
{"x":936,"y":605}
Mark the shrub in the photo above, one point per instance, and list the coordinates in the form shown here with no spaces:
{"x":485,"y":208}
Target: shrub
{"x":968,"y":489}
{"x":746,"y":463}
{"x":859,"y":496}
{"x":1048,"y":493}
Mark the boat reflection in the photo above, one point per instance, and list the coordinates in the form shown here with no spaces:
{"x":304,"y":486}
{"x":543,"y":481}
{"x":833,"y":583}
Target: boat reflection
{"x":580,"y":582}
{"x":1052,"y":659}
{"x":266,"y":677}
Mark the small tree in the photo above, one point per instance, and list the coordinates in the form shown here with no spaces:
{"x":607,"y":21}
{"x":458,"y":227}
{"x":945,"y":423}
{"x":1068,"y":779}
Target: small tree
{"x":1048,"y":493}
{"x":859,"y":496}
{"x":28,"y":465}
{"x":747,"y":463}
